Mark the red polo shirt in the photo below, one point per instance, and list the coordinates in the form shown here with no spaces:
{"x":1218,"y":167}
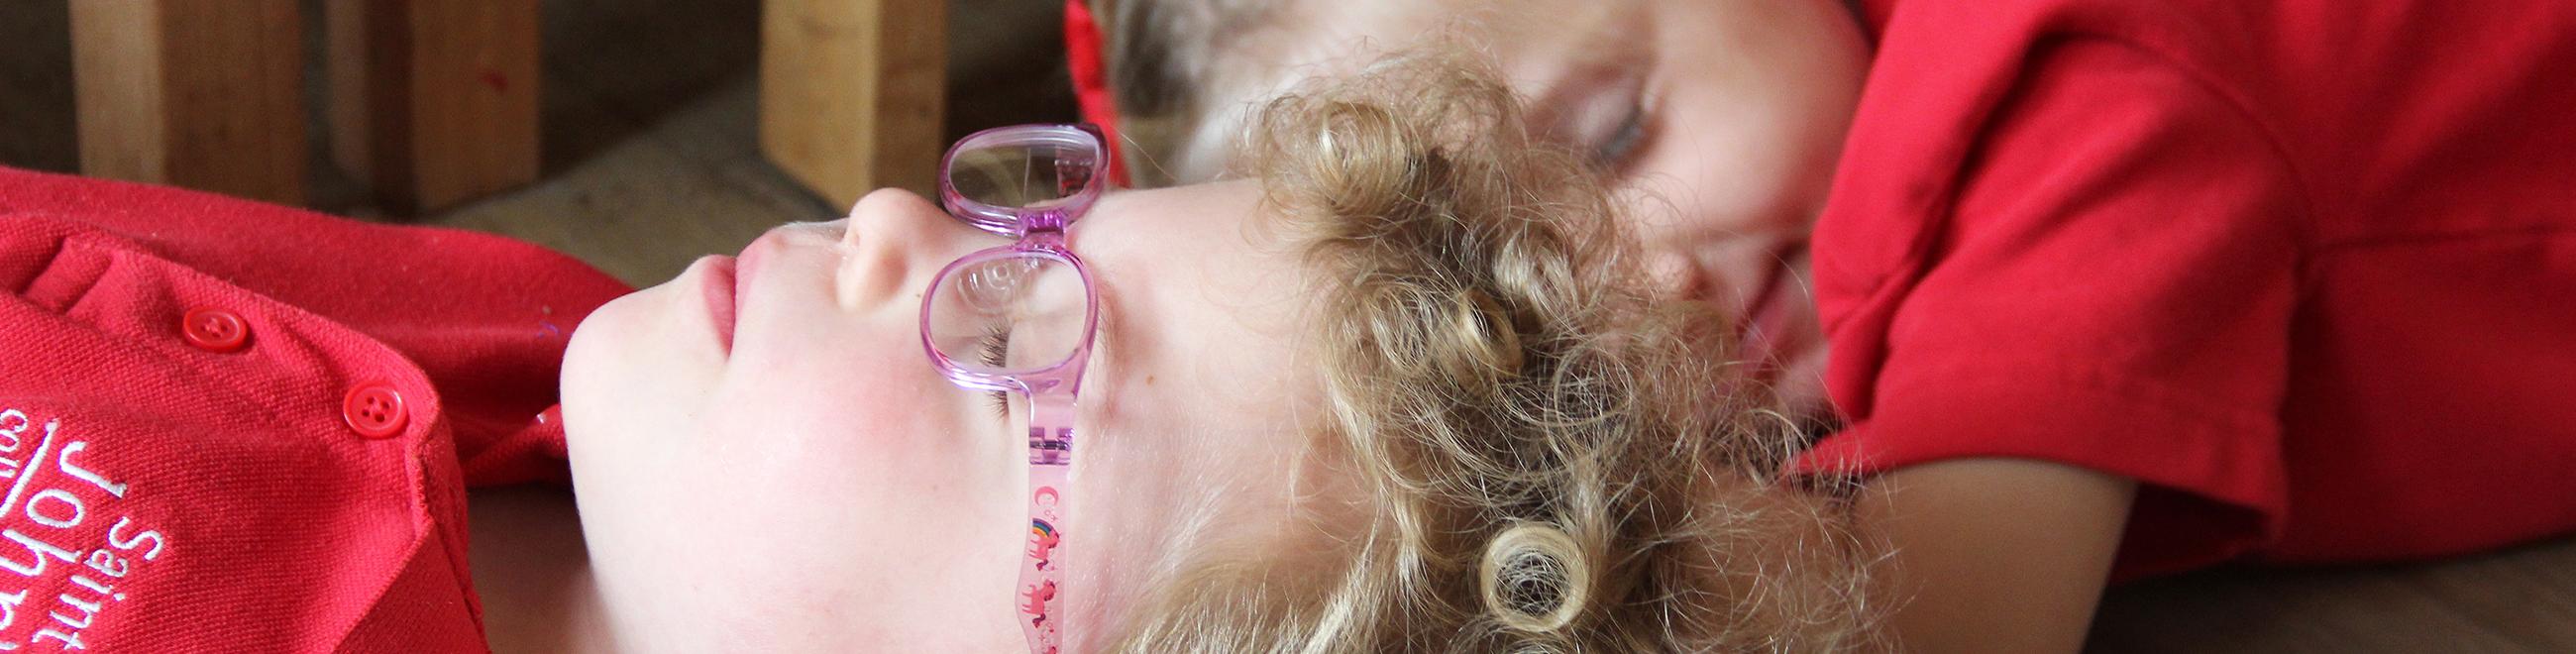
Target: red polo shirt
{"x":233,"y":427}
{"x":2305,"y":268}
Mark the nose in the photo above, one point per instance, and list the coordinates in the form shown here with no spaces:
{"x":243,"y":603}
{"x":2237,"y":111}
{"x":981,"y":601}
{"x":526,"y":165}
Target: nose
{"x":892,"y":243}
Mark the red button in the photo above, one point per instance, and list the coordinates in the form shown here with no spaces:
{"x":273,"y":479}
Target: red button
{"x":214,"y":330}
{"x":375,"y":410}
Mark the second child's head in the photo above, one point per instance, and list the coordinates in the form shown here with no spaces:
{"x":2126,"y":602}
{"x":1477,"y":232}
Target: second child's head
{"x":1722,"y":118}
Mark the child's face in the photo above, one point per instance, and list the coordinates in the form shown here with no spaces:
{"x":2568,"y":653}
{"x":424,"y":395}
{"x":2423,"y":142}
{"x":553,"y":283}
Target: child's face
{"x":1725,"y":117}
{"x":805,"y":474}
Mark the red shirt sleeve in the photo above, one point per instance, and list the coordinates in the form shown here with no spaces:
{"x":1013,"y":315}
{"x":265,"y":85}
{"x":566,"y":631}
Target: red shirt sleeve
{"x":485,"y":317}
{"x":2108,"y":285}
{"x":227,"y":426}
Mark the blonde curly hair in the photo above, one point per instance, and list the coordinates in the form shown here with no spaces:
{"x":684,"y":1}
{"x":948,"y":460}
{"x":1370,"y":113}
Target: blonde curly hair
{"x":1550,"y":455}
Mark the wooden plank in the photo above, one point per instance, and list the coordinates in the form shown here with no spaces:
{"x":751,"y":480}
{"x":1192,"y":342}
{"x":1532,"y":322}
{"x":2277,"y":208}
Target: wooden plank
{"x":37,"y":130}
{"x":434,"y":102}
{"x":365,"y":88}
{"x":205,"y":94}
{"x":852,"y":92}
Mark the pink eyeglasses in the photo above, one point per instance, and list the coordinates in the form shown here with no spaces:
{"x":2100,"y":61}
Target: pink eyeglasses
{"x":1020,"y":317}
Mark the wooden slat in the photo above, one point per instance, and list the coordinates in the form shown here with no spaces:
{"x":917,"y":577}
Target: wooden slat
{"x":206,"y":94}
{"x":361,"y":43}
{"x":434,"y":102}
{"x":852,"y":91}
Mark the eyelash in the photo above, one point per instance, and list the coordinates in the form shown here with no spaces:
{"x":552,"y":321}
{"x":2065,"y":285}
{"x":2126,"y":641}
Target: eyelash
{"x":995,"y":346}
{"x":1622,"y":143}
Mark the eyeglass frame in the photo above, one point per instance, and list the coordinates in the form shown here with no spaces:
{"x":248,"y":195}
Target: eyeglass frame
{"x":1053,"y":390}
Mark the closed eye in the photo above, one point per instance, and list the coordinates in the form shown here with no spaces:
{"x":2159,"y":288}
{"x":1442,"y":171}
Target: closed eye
{"x":1616,"y":150}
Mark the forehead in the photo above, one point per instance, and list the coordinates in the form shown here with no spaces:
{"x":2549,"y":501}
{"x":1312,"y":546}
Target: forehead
{"x":1195,"y":397}
{"x":1542,"y":47}
{"x":1206,"y":301}
{"x":1345,"y":35}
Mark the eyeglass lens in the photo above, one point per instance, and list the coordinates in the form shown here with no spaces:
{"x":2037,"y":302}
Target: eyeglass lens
{"x":1029,"y":175}
{"x":1013,"y":313}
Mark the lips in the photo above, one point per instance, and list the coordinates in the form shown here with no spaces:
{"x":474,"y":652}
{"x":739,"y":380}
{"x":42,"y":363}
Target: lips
{"x":722,"y":286}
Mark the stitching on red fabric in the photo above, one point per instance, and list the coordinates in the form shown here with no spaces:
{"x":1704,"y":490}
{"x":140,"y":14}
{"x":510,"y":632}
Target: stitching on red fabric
{"x":67,"y":278}
{"x":2302,"y":191}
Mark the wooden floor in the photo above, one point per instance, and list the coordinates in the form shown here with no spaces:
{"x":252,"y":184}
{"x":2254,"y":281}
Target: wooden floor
{"x":650,"y":162}
{"x":2518,"y":600}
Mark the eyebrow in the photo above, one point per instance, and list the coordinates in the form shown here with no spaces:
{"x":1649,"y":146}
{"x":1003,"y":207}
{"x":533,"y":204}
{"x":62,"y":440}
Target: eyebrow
{"x":1103,"y":338}
{"x":1104,"y":316}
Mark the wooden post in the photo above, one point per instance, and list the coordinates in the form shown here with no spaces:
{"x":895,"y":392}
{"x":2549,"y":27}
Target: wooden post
{"x":433,"y":102}
{"x":852,"y":92}
{"x":205,"y":94}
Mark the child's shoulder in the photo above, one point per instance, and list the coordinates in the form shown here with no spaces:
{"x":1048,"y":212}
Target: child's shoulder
{"x":2310,"y":37}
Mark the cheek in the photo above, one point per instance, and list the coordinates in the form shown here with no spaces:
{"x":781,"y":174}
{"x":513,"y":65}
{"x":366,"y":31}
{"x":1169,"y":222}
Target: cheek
{"x":879,"y":417}
{"x":839,"y":404}
{"x":1757,"y":124}
{"x":864,"y":397}
{"x":855,"y":479}
{"x":1747,"y":158}
{"x":838,"y":478}
{"x":862,"y":465}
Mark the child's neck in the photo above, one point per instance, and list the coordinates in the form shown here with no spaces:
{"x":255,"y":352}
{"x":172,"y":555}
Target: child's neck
{"x":533,"y":573}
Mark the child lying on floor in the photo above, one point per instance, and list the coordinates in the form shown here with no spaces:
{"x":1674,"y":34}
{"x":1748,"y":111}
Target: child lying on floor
{"x":2112,"y":288}
{"x":1407,"y":389}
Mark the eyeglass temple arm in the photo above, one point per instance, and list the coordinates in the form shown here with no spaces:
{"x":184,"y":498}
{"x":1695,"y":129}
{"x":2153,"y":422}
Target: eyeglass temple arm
{"x":1050,"y":480}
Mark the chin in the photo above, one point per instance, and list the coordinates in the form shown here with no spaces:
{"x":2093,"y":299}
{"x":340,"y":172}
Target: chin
{"x":593,"y":345}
